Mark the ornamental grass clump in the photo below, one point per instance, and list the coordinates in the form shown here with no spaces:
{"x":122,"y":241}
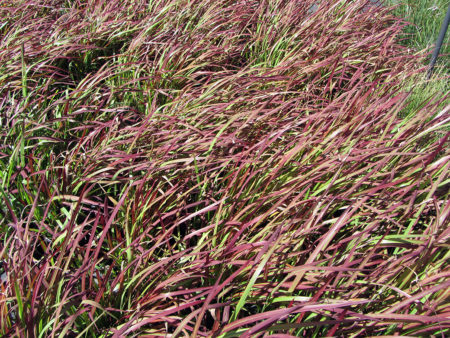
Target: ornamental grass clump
{"x":218,"y":168}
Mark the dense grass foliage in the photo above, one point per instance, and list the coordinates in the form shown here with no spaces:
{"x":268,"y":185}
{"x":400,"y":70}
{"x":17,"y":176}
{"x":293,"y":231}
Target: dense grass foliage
{"x":218,"y":168}
{"x":426,"y":17}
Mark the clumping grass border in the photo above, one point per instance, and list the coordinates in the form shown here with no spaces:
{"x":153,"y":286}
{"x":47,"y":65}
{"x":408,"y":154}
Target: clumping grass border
{"x":219,"y":168}
{"x":425,"y":18}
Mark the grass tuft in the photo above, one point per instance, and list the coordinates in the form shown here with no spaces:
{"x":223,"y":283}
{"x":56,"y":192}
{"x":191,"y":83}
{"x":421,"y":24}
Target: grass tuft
{"x":219,"y":168}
